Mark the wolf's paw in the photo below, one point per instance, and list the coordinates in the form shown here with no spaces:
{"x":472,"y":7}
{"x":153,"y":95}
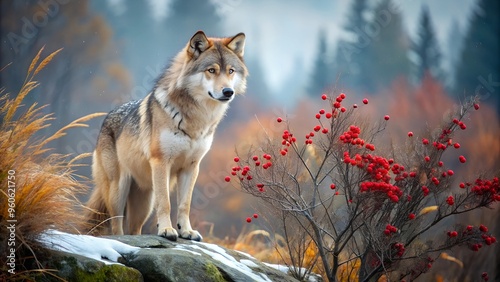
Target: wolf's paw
{"x":169,"y":233}
{"x":191,"y":235}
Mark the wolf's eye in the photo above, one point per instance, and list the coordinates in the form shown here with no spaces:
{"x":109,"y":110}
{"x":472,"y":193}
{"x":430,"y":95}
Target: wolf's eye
{"x":211,"y":70}
{"x":231,"y":71}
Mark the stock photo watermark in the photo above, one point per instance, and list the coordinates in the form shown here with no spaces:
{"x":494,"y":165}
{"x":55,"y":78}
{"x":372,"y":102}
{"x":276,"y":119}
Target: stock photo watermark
{"x":30,"y":26}
{"x":486,"y":84}
{"x":11,"y":221}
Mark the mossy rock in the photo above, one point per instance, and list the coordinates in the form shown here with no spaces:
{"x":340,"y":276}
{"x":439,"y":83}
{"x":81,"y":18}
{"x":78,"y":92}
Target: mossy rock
{"x":73,"y":267}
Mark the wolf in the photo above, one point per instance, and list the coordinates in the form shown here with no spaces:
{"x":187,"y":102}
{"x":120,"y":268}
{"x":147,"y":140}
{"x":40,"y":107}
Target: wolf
{"x":148,"y":147}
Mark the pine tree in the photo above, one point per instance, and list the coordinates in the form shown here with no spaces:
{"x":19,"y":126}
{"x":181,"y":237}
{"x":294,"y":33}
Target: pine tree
{"x":351,"y":54}
{"x":426,"y":50}
{"x":479,"y":70}
{"x":454,"y":46}
{"x":387,"y":57}
{"x":321,"y":76}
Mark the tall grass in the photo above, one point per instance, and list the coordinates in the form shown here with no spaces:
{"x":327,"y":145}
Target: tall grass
{"x":45,"y":182}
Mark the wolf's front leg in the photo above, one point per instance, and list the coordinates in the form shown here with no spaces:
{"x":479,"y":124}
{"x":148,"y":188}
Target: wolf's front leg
{"x":161,"y":187}
{"x":186,"y":180}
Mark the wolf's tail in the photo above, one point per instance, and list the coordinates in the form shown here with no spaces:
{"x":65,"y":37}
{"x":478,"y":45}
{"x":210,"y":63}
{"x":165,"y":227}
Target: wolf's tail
{"x":96,"y":213}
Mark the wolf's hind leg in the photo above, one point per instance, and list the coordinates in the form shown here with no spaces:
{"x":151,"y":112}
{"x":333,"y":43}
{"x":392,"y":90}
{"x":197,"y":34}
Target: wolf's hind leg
{"x":139,"y":207}
{"x":117,"y":199}
{"x":187,"y":178}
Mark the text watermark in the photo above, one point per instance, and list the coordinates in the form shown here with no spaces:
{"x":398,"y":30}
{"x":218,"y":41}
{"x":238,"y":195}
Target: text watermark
{"x":11,"y":221}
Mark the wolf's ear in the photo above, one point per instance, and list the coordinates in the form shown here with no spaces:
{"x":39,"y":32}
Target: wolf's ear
{"x":198,"y":44}
{"x":237,"y":44}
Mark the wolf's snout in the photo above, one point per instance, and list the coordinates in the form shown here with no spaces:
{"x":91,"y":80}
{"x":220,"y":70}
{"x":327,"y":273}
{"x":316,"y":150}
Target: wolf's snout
{"x":227,"y":92}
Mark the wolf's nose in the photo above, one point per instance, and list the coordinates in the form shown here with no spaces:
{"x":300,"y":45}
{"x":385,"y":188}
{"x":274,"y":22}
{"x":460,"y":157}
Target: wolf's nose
{"x":227,"y":92}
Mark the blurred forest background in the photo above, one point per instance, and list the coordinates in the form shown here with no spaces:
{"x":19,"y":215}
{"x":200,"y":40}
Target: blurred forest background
{"x":413,"y":59}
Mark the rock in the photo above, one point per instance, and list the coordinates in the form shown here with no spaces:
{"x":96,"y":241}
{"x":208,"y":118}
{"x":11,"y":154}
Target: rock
{"x":73,"y":267}
{"x":159,"y":259}
{"x":162,"y":260}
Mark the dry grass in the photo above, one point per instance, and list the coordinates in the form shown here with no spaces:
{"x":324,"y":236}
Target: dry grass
{"x":45,"y":183}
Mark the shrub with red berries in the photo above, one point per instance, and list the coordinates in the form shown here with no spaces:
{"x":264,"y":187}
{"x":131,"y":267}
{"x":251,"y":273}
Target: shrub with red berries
{"x":359,"y":199}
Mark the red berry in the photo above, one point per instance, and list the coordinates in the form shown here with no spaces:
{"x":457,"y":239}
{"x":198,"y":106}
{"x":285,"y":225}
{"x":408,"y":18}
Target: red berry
{"x":325,"y":130}
{"x":483,"y":228}
{"x":427,"y":158}
{"x":336,"y":105}
{"x":365,"y":101}
{"x":440,"y":163}
{"x":387,"y":232}
{"x":249,"y":219}
{"x":324,"y":97}
{"x":462,"y":159}
{"x":342,"y":96}
{"x":487,"y":241}
{"x":450,"y":172}
{"x":476,"y":107}
{"x":452,"y":234}
{"x":318,"y":116}
{"x":450,"y":200}
{"x":328,"y":115}
{"x":469,"y":228}
{"x":236,"y":159}
{"x":456,"y":145}
{"x":425,"y":141}
{"x":386,"y":117}
{"x":255,"y":158}
{"x":322,"y":112}
{"x":227,"y":178}
{"x":462,"y":125}
{"x":255,"y":215}
{"x":283,"y":152}
{"x":332,"y":186}
{"x":355,"y":106}
{"x":462,"y":185}
{"x":410,"y":134}
{"x":343,"y":109}
{"x":411,"y":216}
{"x":317,"y":128}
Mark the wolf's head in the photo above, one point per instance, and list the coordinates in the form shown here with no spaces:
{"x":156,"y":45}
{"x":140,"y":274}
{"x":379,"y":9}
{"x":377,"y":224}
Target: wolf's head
{"x":214,"y":68}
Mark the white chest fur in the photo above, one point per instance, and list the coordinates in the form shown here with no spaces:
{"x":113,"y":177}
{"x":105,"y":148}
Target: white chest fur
{"x":176,"y":145}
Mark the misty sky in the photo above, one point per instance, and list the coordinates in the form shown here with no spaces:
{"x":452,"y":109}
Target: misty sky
{"x":284,"y":33}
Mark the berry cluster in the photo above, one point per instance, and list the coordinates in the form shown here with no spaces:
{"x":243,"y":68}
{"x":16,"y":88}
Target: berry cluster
{"x":378,"y":168}
{"x":352,"y":136}
{"x":486,"y":239}
{"x":288,"y":140}
{"x":487,"y":187}
{"x":400,"y":248}
{"x":389,"y":229}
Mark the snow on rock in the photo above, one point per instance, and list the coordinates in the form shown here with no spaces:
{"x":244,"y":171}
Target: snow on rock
{"x":311,"y":277}
{"x":102,"y":249}
{"x":155,"y":259}
{"x":218,"y":253}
